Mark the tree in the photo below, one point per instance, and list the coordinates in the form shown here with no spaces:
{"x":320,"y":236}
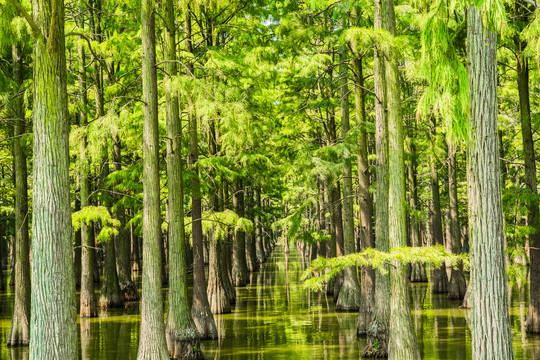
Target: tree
{"x":491,"y":336}
{"x":152,"y":344}
{"x":182,"y":335}
{"x":20,"y":326}
{"x":53,"y":320}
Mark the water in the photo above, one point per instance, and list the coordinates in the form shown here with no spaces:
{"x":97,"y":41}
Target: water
{"x":275,"y":318}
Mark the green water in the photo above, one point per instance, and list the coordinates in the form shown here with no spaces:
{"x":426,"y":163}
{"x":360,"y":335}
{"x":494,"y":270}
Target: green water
{"x":275,"y":318}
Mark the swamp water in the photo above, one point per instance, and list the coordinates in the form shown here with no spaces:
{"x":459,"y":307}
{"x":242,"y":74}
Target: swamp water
{"x":275,"y":318}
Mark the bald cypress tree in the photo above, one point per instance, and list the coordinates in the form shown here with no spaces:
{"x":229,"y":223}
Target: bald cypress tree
{"x":152,"y":344}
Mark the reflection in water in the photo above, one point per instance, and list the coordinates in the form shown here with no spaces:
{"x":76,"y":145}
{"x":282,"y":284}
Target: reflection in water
{"x":276,"y":318}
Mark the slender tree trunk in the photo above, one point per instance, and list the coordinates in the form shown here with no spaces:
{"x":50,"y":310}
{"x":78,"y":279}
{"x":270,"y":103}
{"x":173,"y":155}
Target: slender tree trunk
{"x":53,"y":333}
{"x":258,"y":228}
{"x":491,"y":335}
{"x":350,"y":294}
{"x":365,"y":313}
{"x":239,"y":266}
{"x":182,"y":334}
{"x":88,"y":304}
{"x":418,"y":270}
{"x":225,"y":253}
{"x":377,"y":334}
{"x":152,"y":343}
{"x":128,"y":287}
{"x":402,"y":344}
{"x":19,"y":333}
{"x":251,"y":256}
{"x":110,"y":296}
{"x":439,"y":279}
{"x":457,"y":286}
{"x":533,"y":314}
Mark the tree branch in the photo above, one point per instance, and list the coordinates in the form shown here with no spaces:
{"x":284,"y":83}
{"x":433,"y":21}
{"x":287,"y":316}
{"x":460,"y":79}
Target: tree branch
{"x":35,"y":29}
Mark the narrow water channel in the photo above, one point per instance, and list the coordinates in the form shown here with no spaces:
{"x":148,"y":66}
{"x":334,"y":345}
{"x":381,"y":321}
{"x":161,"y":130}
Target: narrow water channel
{"x":276,"y":318}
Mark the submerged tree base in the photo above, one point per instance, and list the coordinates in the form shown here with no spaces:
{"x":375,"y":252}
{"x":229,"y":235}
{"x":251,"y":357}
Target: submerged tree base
{"x":349,"y":297}
{"x":204,"y":321}
{"x":184,"y":346}
{"x":377,"y":345}
{"x":130,"y":291}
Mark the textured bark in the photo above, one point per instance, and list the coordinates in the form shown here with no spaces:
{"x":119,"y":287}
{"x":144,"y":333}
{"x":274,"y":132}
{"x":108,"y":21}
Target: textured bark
{"x":239,"y":265}
{"x":490,"y":325}
{"x":418,"y":270}
{"x":53,"y":333}
{"x":378,"y":330}
{"x":182,"y":334}
{"x":402,"y":343}
{"x":19,"y":333}
{"x":367,"y":240}
{"x":152,"y":343}
{"x":457,"y":286}
{"x":337,"y":229}
{"x":439,"y":278}
{"x":350,"y":294}
{"x":225,"y":254}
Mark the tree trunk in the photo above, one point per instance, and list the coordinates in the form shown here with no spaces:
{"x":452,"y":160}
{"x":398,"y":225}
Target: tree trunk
{"x":533,"y":314}
{"x":402,"y":343}
{"x":491,"y":335}
{"x":439,"y":279}
{"x":152,"y":343}
{"x":251,"y":256}
{"x":182,"y":334}
{"x":349,"y":294}
{"x":418,"y":270}
{"x":457,"y":286}
{"x":19,"y":332}
{"x":258,"y":228}
{"x":377,"y":334}
{"x":128,"y":287}
{"x":239,"y":266}
{"x":367,"y":305}
{"x":88,"y":305}
{"x":53,"y":333}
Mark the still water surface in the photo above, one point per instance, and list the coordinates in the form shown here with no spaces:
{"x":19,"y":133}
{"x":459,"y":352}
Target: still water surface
{"x":275,"y":318}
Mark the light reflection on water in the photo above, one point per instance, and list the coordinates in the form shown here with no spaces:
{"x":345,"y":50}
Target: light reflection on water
{"x":275,"y":318}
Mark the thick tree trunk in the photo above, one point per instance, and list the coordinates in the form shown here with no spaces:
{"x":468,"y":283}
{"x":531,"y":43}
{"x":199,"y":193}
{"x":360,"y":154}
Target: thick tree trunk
{"x":418,"y":270}
{"x":378,"y":330}
{"x":152,"y":343}
{"x":457,"y":286}
{"x":491,"y":335}
{"x":53,"y":333}
{"x":439,"y":279}
{"x":239,"y":265}
{"x":19,"y":333}
{"x":402,"y":343}
{"x":182,"y":334}
{"x":350,"y":294}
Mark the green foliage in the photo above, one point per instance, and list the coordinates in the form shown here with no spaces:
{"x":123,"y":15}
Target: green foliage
{"x":97,"y":214}
{"x":322,"y":269}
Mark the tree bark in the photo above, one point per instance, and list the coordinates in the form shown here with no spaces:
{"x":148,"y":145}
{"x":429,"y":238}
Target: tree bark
{"x":378,"y":330}
{"x":182,"y":334}
{"x":402,"y":343}
{"x":367,"y":305}
{"x":152,"y":343}
{"x":418,"y":270}
{"x":491,"y":335}
{"x":349,"y":294}
{"x":53,"y":333}
{"x":239,"y":266}
{"x":19,"y":333}
{"x":457,"y":286}
{"x":439,"y":279}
